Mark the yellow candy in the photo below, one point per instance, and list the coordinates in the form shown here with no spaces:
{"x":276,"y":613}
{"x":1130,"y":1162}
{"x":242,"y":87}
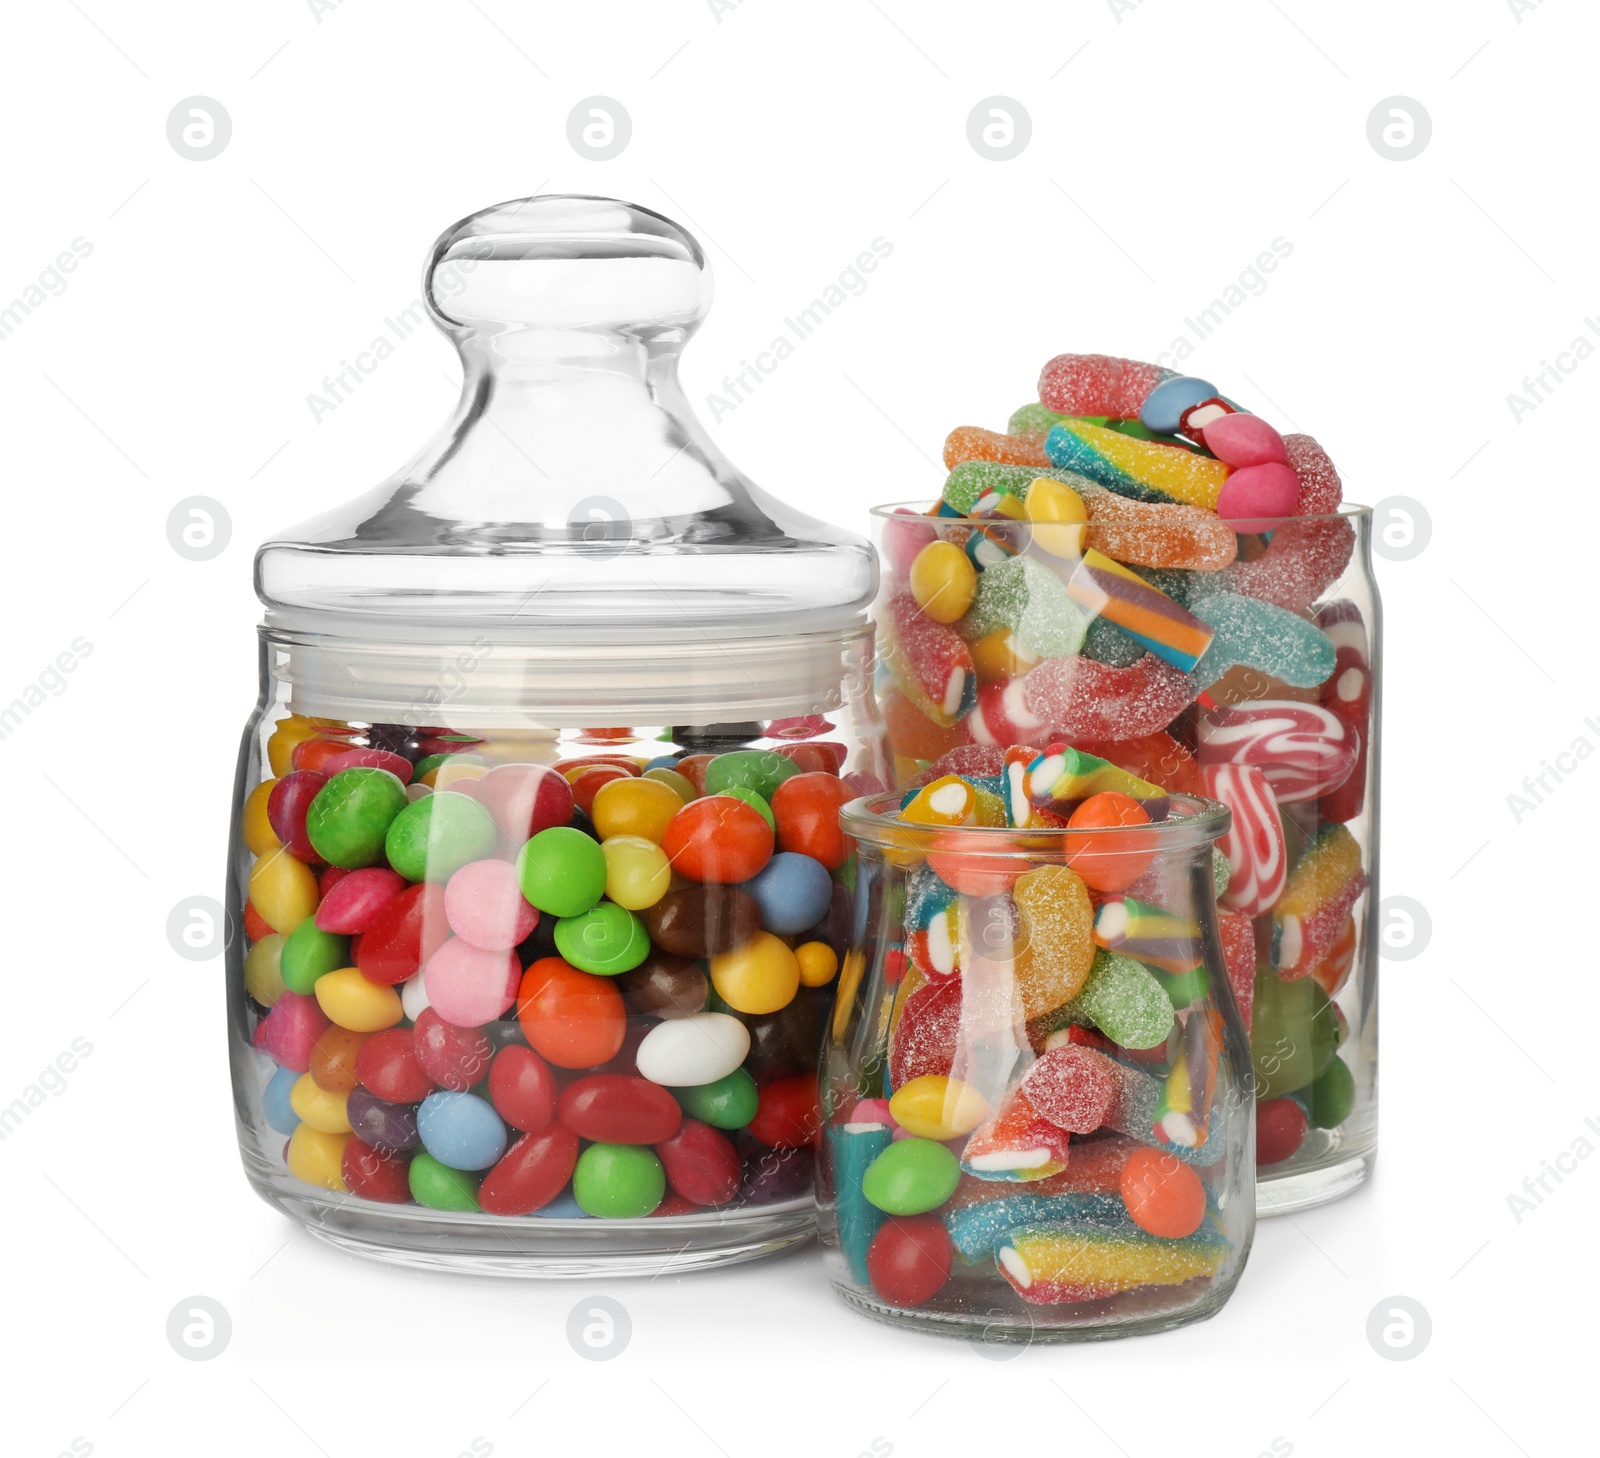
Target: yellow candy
{"x":635,"y":807}
{"x":999,"y":655}
{"x":318,"y":1107}
{"x":637,"y":870}
{"x":454,"y":771}
{"x":935,"y":1107}
{"x":943,"y":581}
{"x":855,"y":965}
{"x":681,"y":784}
{"x":1056,"y":948}
{"x":533,"y":748}
{"x":259,"y":835}
{"x":289,"y":732}
{"x":818,"y":963}
{"x":949,"y":800}
{"x":353,"y":1002}
{"x":762,"y":976}
{"x":317,"y":1157}
{"x":989,"y":810}
{"x":262,"y":980}
{"x":283,"y":890}
{"x":1047,"y":503}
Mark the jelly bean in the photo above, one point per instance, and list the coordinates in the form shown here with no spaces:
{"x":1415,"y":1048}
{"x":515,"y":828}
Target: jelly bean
{"x":935,"y":1107}
{"x":353,"y":1002}
{"x":454,"y":1058}
{"x":700,"y":1164}
{"x":819,"y":963}
{"x":522,"y":1089}
{"x":374,"y":1174}
{"x":718,"y":839}
{"x":909,"y":1259}
{"x":333,"y":1059}
{"x":387,"y":1065}
{"x":255,"y":825}
{"x":637,"y":871}
{"x":570,"y":1018}
{"x":439,"y":1187}
{"x":793,"y":892}
{"x":524,"y":799}
{"x":664,"y":986}
{"x":310,"y":953}
{"x":615,"y":1109}
{"x":277,"y":1107}
{"x":1163,"y":1195}
{"x":618,"y":1181}
{"x":1294,"y":1034}
{"x":702,"y":921}
{"x":679,"y":784}
{"x":433,"y":838}
{"x":806,"y":808}
{"x":1280,"y":1130}
{"x":635,"y":807}
{"x":788,"y":1115}
{"x":772,"y":1176}
{"x":689,"y":1051}
{"x":404,"y":935}
{"x":286,"y":735}
{"x":397,"y":765}
{"x":729,"y":1102}
{"x":484,"y":905}
{"x":351,"y":814}
{"x":263,"y":974}
{"x":1331,"y":1096}
{"x":562,"y":871}
{"x":759,"y":977}
{"x":461,"y":1130}
{"x":353,"y":902}
{"x":290,"y":1030}
{"x":386,"y":1126}
{"x":283,"y":890}
{"x":468,"y":986}
{"x":785,"y":1042}
{"x":316,"y":1157}
{"x":531,"y":1173}
{"x":911,"y":1177}
{"x":943,"y":581}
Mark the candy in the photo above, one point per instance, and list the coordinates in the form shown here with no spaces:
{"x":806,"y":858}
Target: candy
{"x":460,"y":1130}
{"x":391,"y":1128}
{"x":943,"y":581}
{"x":290,"y":1031}
{"x":352,"y":904}
{"x":436,"y":1186}
{"x":618,"y":1181}
{"x":522,"y":1089}
{"x":1348,"y":695}
{"x":397,"y":765}
{"x":1280,"y":1130}
{"x":854,"y":1147}
{"x":923,"y":1040}
{"x":333,"y":1059}
{"x":1001,"y":715}
{"x":1081,"y":1090}
{"x":1098,"y":384}
{"x":1260,"y":636}
{"x":664,"y":986}
{"x":1164,"y":407}
{"x":373,"y":1174}
{"x":972,"y":443}
{"x":317,"y":1157}
{"x":531,"y":1173}
{"x":785,"y":1043}
{"x":1106,"y":643}
{"x":353,"y":1002}
{"x":571,"y":1018}
{"x":819,"y":963}
{"x":1031,"y":419}
{"x":700,"y":1164}
{"x":787,"y":1115}
{"x":308,"y":953}
{"x":283,"y":890}
{"x":255,"y":824}
{"x":729,"y":1102}
{"x":688,"y":1051}
{"x":287,"y":808}
{"x":484,"y":905}
{"x":634,"y":807}
{"x":404,"y":934}
{"x":348,"y":822}
{"x":1057,"y":516}
{"x":701,"y":921}
{"x":468,"y":986}
{"x":524,"y":799}
{"x":433,"y":838}
{"x":1183,"y":1112}
{"x":1124,"y":1000}
{"x":806,"y":808}
{"x":1239,"y":954}
{"x":978,"y":1228}
{"x":1304,"y":559}
{"x":454,"y":1058}
{"x":719,"y":839}
{"x":1062,"y":778}
{"x":1331,"y":1096}
{"x":935,"y":1107}
{"x":793,"y":892}
{"x":638,"y":873}
{"x":1321,"y":490}
{"x":1143,"y":470}
{"x":911,"y":1177}
{"x":612,"y":1108}
{"x":759,"y":977}
{"x":1255,"y":498}
{"x":948,"y":800}
{"x":276,"y":1107}
{"x":929,"y":661}
{"x":1304,"y":750}
{"x":1083,"y":700}
{"x":1148,"y":933}
{"x":1030,"y":601}
{"x":1114,"y":860}
{"x":1322,"y":887}
{"x":1294,"y":1034}
{"x":1016,"y":1144}
{"x":1047,"y":1267}
{"x":909,"y":1260}
{"x":606,"y":939}
{"x":562,"y":871}
{"x":319,"y":1108}
{"x":761,"y":770}
{"x":1055,"y":950}
{"x":1163,"y":1195}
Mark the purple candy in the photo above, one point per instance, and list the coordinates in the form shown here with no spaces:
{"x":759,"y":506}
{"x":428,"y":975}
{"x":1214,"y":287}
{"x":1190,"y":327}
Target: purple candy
{"x":771,"y":1175}
{"x":385,"y":1126}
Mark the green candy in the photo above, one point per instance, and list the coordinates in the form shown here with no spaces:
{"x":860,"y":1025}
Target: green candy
{"x":1221,"y":873}
{"x":1183,"y":989}
{"x":1027,"y":598}
{"x":429,"y":763}
{"x":729,"y":1102}
{"x":351,"y":814}
{"x":1106,"y":643}
{"x":434,"y":837}
{"x":1032,"y":419}
{"x":1331,"y":1096}
{"x":562,"y":871}
{"x":618,"y":1181}
{"x":1124,"y":999}
{"x":761,"y":770}
{"x":308,"y":953}
{"x":439,"y":1187}
{"x":1294,"y":1034}
{"x":911,"y":1177}
{"x":751,"y":798}
{"x":606,"y":939}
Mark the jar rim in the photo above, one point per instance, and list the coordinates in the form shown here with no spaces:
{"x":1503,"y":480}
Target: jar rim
{"x":898,"y":510}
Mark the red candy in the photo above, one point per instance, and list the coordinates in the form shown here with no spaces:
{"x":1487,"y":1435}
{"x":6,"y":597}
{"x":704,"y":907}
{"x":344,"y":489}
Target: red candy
{"x":958,"y":859}
{"x":352,"y":901}
{"x":404,"y":934}
{"x":290,"y":1030}
{"x":1304,"y":750}
{"x":454,"y":1058}
{"x":788,"y":1115}
{"x":1348,"y":696}
{"x":374,"y":1175}
{"x":255,"y":925}
{"x":1239,"y":954}
{"x":291,"y":797}
{"x":909,"y":1259}
{"x":523,"y":799}
{"x":1280,"y":1130}
{"x":571,"y":1018}
{"x":718,"y":838}
{"x":522,"y":1089}
{"x":925,"y":1035}
{"x":1082,"y":700}
{"x":702,"y":1165}
{"x":397,"y":764}
{"x":1303,"y":560}
{"x":531,"y":1173}
{"x":387,"y":1065}
{"x":314,"y":754}
{"x":806,"y":807}
{"x":586,"y":783}
{"x":931,"y":663}
{"x":1321,"y":490}
{"x":822,"y":757}
{"x":611,"y":1108}
{"x":1098,"y":384}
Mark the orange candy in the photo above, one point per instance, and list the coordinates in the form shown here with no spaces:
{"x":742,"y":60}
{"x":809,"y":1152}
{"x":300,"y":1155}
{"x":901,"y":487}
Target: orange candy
{"x":1114,"y":861}
{"x":571,"y":1018}
{"x":333,"y":1058}
{"x":313,"y":754}
{"x":914,"y":734}
{"x":1163,"y":1194}
{"x":718,"y":838}
{"x":969,"y":861}
{"x":971,"y":443}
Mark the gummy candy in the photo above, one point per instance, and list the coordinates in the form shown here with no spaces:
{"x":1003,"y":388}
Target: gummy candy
{"x":1056,"y":949}
{"x":1050,"y":1266}
{"x":1304,"y":559}
{"x":930,"y":662}
{"x":1321,"y":490}
{"x":977,"y":1229}
{"x":1032,"y":419}
{"x":1027,"y":598}
{"x":1106,"y":643}
{"x":1098,"y":384}
{"x":1125,"y":1001}
{"x":1148,"y":933}
{"x":1258,"y":858}
{"x":1146,"y":534}
{"x":998,"y":655}
{"x":1322,"y":888}
{"x":1304,"y":750}
{"x":949,"y":800}
{"x":1081,"y":1090}
{"x":1002,"y":715}
{"x":1258,"y":635}
{"x":1239,"y":955}
{"x":1156,"y":757}
{"x":1057,"y":517}
{"x":970,"y":443}
{"x":1062,"y":777}
{"x":924,"y":1037}
{"x":1183,"y":1112}
{"x":854,"y":1147}
{"x":1016,"y":1145}
{"x":1079,"y":699}
{"x":1109,"y":590}
{"x":1144,"y":470}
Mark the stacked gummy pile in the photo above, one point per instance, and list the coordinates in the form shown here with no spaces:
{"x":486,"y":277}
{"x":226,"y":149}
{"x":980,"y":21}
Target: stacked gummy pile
{"x":589,"y":988}
{"x":1140,"y":569}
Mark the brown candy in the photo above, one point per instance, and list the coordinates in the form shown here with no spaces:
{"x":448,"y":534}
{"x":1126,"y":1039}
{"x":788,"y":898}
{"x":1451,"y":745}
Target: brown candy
{"x":701,"y":921}
{"x":664,"y":986}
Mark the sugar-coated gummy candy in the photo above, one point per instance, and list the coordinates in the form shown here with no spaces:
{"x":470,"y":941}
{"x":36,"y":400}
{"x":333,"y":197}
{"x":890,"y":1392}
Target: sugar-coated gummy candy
{"x":437,"y":1186}
{"x":1016,"y":1144}
{"x":1098,"y":384}
{"x":1106,"y":643}
{"x":1056,"y":948}
{"x":1323,"y":886}
{"x":1047,"y":1267}
{"x":1122,"y":998}
{"x":1256,"y":634}
{"x":570,"y":1018}
{"x":924,"y":1038}
{"x":909,"y":1259}
{"x":562,"y":871}
{"x":931,"y":662}
{"x":1142,"y":469}
{"x":690,"y":1051}
{"x":1027,"y":599}
{"x":618,"y":1181}
{"x":1321,"y":490}
{"x":1080,"y":1090}
{"x":1157,"y":535}
{"x":531,"y":1173}
{"x":979,"y":1226}
{"x":1303,"y":560}
{"x":433,"y":838}
{"x":973,"y":443}
{"x":911,"y":1177}
{"x":1080,"y":699}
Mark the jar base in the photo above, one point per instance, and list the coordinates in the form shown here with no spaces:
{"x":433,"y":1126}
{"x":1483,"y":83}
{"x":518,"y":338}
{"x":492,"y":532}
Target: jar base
{"x":1304,"y":1189}
{"x":552,"y":1249}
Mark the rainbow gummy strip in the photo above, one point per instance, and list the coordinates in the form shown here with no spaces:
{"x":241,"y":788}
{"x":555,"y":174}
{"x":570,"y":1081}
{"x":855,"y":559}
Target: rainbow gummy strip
{"x":976,"y":1229}
{"x":1062,"y":778}
{"x":1148,"y":933}
{"x":1143,"y":469}
{"x":1183,"y":1112}
{"x":1050,"y":1266}
{"x":1322,"y":888}
{"x":1015,"y":1144}
{"x":931,"y":663}
{"x":1145,"y":613}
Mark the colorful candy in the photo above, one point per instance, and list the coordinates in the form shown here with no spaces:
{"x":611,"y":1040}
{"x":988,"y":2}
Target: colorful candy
{"x":1145,"y":470}
{"x":1322,"y":888}
{"x":1117,"y":594}
{"x":1258,"y":858}
{"x":1303,"y":750}
{"x":1258,"y":635}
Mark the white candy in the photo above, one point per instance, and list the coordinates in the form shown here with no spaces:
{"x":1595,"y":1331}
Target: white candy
{"x":688,"y":1052}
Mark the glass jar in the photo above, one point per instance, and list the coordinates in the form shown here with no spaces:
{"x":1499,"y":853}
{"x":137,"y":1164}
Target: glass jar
{"x":1282,"y":728}
{"x":1037,"y":1087}
{"x":535,"y":839}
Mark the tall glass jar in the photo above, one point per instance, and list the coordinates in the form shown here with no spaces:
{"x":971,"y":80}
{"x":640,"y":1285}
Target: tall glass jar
{"x":535,"y":845}
{"x":1279,"y":722}
{"x":1037,"y":1089}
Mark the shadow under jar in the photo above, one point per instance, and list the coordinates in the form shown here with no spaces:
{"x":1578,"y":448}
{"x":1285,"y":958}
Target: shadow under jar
{"x":1036,"y":1089}
{"x":536,"y":848}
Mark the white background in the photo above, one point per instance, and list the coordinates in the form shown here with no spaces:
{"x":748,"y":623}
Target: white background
{"x":1170,"y":145}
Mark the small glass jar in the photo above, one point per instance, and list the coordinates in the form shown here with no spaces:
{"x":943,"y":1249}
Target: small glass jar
{"x":1285,"y":734}
{"x":1037,"y":1089}
{"x":535,"y":842}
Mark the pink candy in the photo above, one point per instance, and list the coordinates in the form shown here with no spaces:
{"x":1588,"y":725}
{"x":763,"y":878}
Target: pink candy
{"x":1098,"y":384}
{"x":1254,"y":497}
{"x":1081,"y":699}
{"x":290,"y":1030}
{"x":484,"y":904}
{"x":468,"y":986}
{"x":1002,"y":716}
{"x":397,"y":765}
{"x":1303,"y":560}
{"x":352,"y":903}
{"x":1321,"y":490}
{"x":1244,"y":440}
{"x":1304,"y":750}
{"x":1254,"y":845}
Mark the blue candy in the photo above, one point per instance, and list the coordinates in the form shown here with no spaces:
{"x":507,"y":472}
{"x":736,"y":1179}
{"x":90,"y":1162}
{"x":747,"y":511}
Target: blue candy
{"x":975,"y":1230}
{"x":563,"y":1207}
{"x":793,"y":892}
{"x":1164,"y":406}
{"x":461,"y":1130}
{"x":1258,"y":635}
{"x":926,"y":897}
{"x":275,"y":1102}
{"x":664,"y":761}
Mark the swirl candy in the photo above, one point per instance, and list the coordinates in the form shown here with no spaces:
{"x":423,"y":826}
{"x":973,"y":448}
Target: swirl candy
{"x":1258,"y":858}
{"x":1303,"y":749}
